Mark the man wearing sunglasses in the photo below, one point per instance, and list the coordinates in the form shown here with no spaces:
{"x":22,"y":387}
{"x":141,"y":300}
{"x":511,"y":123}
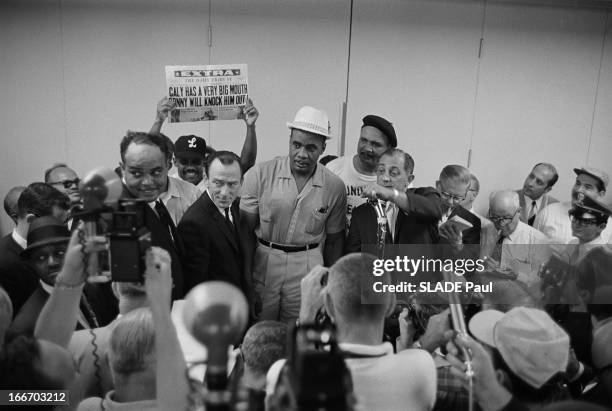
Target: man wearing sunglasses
{"x":553,"y":220}
{"x":589,"y":219}
{"x":66,"y":180}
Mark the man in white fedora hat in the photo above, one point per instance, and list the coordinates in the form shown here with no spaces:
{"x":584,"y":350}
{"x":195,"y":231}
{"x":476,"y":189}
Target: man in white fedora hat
{"x":293,"y":217}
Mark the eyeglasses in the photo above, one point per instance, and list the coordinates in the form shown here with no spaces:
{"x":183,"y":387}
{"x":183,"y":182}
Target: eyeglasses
{"x":502,"y":220}
{"x":68,"y":183}
{"x":452,"y":197}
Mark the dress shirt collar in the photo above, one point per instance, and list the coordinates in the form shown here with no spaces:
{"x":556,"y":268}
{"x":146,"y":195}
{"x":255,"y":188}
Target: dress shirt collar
{"x":19,"y":239}
{"x":221,"y":210}
{"x":285,"y":172}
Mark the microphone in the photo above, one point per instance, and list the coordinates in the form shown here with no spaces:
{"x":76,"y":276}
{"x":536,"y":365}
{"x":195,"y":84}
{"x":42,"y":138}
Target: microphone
{"x":100,"y":189}
{"x":216,"y":314}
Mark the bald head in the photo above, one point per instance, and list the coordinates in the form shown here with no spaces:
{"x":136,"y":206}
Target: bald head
{"x":504,"y":201}
{"x":10,"y":202}
{"x":503,"y":211}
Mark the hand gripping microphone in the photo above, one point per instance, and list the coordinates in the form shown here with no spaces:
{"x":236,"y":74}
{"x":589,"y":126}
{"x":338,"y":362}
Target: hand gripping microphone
{"x":216,"y":314}
{"x":100,"y":189}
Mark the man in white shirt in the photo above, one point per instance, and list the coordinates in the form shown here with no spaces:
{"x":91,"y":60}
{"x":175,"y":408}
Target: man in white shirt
{"x":381,"y":380}
{"x":359,"y":171}
{"x":533,"y":196}
{"x":554,"y":221}
{"x":519,"y":248}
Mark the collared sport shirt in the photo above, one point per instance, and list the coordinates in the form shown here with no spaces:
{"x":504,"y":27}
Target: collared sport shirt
{"x":289,"y":217}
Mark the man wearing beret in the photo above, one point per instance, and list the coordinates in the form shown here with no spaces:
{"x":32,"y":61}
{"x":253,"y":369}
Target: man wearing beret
{"x":359,"y":171}
{"x":554,"y":221}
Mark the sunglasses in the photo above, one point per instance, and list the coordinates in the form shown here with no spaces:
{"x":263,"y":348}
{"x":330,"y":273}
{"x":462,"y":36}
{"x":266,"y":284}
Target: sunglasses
{"x":68,"y":183}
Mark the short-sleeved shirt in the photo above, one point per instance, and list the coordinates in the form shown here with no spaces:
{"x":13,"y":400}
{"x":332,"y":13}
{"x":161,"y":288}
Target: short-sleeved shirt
{"x":179,"y":197}
{"x":354,"y":181}
{"x":289,"y":217}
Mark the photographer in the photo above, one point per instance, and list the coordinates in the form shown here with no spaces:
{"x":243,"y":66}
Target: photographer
{"x":144,"y":353}
{"x":409,"y":377}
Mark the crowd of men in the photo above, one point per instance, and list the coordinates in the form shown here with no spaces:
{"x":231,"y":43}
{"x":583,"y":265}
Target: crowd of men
{"x":297,"y":237}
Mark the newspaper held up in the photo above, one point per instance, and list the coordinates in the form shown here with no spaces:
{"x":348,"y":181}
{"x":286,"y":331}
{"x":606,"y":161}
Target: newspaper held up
{"x":204,"y":93}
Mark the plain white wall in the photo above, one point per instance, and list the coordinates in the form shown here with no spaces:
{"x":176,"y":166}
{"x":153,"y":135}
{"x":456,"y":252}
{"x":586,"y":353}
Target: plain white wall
{"x":75,"y":75}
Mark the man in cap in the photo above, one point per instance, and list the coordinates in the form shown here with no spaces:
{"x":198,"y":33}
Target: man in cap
{"x":359,"y":171}
{"x":16,"y":276}
{"x":190,"y":154}
{"x":589,"y":219}
{"x":530,"y":352}
{"x":191,"y":151}
{"x":47,"y":243}
{"x":534,"y":197}
{"x":554,"y":221}
{"x":293,"y":213}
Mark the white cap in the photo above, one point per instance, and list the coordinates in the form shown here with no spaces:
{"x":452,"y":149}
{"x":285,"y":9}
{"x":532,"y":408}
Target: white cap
{"x":312,"y":120}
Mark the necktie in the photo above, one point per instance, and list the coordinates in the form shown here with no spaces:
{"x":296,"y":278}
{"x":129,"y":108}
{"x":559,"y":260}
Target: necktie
{"x":228,"y":221}
{"x":532,"y":213}
{"x":391,"y":216}
{"x":497,"y":251}
{"x":166,"y":220}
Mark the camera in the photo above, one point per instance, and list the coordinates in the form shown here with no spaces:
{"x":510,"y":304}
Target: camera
{"x":315,"y":374}
{"x":129,"y":240}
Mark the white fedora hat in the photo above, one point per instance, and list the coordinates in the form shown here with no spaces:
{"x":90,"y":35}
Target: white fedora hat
{"x":312,"y":120}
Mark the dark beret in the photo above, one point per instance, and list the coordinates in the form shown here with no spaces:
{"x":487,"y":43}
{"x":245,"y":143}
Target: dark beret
{"x":383,"y":125}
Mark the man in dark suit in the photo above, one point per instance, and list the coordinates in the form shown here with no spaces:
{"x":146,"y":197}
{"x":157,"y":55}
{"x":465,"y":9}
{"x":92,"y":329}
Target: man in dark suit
{"x":47,"y":242}
{"x":453,"y":186}
{"x":145,"y":161}
{"x":17,"y":277}
{"x":412,"y":214}
{"x":209,"y":228}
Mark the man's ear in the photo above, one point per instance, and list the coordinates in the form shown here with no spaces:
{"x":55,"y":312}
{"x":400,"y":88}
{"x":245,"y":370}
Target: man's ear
{"x":547,"y":189}
{"x":410,"y":179}
{"x":391,"y":305}
{"x":30,"y":218}
{"x":503,"y":379}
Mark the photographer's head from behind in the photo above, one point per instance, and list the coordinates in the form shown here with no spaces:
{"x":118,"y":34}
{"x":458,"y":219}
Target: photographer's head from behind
{"x":347,"y":284}
{"x":132,"y":357}
{"x":145,"y":161}
{"x":264,"y":344}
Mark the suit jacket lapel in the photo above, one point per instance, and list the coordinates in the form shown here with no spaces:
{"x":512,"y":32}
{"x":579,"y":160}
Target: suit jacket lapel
{"x":220,"y":221}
